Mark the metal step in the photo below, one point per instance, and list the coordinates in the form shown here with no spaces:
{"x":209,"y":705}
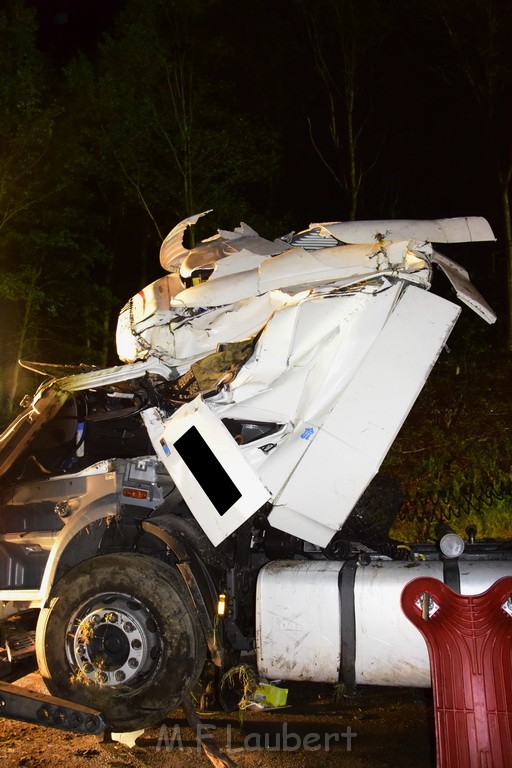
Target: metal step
{"x":20,"y":646}
{"x":19,"y":704}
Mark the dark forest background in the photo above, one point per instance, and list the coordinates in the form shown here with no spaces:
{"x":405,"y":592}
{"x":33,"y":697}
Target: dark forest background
{"x":120,"y":117}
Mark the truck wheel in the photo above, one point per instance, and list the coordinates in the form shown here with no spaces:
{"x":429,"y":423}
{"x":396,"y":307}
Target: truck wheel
{"x":120,"y":635}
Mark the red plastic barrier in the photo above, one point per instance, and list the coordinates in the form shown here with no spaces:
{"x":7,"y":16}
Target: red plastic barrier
{"x":469,"y":639}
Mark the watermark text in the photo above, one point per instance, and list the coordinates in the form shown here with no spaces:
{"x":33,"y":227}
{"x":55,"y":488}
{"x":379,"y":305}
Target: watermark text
{"x":282,"y":740}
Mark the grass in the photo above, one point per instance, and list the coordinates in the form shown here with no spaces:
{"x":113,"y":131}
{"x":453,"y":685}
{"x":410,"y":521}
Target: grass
{"x":245,"y":679}
{"x":453,"y":456}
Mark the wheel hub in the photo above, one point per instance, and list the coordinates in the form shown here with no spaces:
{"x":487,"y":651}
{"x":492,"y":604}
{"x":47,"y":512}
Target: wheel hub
{"x":113,"y":640}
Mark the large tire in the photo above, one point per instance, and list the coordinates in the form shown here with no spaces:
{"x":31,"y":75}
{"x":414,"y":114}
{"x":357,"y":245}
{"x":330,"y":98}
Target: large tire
{"x":121,"y":635}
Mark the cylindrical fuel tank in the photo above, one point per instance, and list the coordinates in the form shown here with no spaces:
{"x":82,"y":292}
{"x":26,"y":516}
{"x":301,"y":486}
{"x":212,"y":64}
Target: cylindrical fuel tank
{"x":326,"y":621}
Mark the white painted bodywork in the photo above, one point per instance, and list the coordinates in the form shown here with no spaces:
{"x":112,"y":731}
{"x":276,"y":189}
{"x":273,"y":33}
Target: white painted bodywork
{"x":351,"y":439}
{"x":298,"y":620}
{"x":389,"y":649}
{"x":463,"y":229}
{"x":165,"y":433}
{"x":273,"y":377}
{"x":344,"y":338}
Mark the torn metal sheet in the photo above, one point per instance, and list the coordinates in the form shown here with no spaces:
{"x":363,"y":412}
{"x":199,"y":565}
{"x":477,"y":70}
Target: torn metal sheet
{"x":172,"y":250}
{"x":297,"y":269}
{"x":174,"y":255}
{"x":291,"y":359}
{"x":263,"y":384}
{"x":226,"y":273}
{"x":463,"y":229}
{"x":183,"y":338}
{"x":466,"y":292}
{"x":366,"y":416}
{"x":219,"y":486}
{"x":325,"y":317}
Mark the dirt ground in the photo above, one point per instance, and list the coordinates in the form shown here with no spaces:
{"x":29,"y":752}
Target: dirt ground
{"x":375,"y":727}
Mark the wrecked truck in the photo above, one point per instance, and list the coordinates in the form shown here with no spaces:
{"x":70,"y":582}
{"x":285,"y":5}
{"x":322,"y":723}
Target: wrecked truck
{"x":218,"y":493}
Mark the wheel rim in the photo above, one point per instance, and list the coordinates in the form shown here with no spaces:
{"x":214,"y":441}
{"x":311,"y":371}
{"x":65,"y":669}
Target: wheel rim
{"x":113,"y":640}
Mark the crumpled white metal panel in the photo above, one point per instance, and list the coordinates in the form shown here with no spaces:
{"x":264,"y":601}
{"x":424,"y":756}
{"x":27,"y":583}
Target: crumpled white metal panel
{"x":464,"y":289}
{"x":297,"y":269}
{"x":462,"y":229}
{"x":346,"y":342}
{"x":185,"y":340}
{"x":220,"y":488}
{"x":172,"y":251}
{"x":307,"y":352}
{"x":345,"y":450}
{"x":149,"y":309}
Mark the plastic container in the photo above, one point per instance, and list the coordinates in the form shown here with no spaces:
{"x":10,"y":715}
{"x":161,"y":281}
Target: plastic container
{"x":469,"y":639}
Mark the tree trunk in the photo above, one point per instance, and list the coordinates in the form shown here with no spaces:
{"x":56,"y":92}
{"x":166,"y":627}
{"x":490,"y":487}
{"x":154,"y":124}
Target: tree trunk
{"x":505,"y":201}
{"x":352,"y":183}
{"x":12,"y":387}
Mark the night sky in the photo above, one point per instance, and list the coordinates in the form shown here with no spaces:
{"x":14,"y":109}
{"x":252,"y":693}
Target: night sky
{"x":409,"y":112}
{"x":267,"y":136}
{"x":70,"y":25}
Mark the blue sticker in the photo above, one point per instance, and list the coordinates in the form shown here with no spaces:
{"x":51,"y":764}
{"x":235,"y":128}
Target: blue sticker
{"x":165,"y":447}
{"x":307,"y":433}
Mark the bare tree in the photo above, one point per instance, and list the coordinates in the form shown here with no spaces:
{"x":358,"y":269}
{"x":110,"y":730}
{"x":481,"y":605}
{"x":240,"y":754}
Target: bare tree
{"x":343,"y":41}
{"x":479,"y":33}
